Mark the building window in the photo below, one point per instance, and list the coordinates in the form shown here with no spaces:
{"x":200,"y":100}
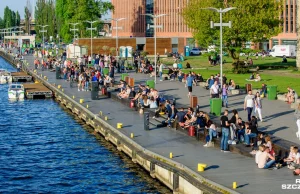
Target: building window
{"x":289,"y":42}
{"x":149,"y":20}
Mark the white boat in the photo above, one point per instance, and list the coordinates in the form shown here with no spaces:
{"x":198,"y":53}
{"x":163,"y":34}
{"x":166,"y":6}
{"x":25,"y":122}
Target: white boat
{"x":5,"y":76}
{"x":16,"y":91}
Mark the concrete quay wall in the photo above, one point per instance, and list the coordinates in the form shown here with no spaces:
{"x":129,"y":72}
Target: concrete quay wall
{"x":179,"y":178}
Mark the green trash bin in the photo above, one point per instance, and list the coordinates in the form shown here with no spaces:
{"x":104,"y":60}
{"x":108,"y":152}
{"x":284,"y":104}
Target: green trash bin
{"x":272,"y":92}
{"x":123,"y":75}
{"x":105,"y":71}
{"x":215,"y":106}
{"x":150,"y":83}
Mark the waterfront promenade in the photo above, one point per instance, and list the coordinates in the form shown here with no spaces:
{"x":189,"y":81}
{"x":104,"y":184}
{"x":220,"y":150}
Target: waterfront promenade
{"x":223,"y":168}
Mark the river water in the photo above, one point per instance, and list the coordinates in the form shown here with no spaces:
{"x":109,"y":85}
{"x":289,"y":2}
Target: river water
{"x":45,"y":149}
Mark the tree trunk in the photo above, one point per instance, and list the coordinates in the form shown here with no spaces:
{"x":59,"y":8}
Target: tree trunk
{"x":298,"y":34}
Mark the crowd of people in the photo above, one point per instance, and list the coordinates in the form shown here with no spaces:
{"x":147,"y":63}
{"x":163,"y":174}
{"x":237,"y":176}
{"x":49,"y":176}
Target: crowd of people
{"x":232,"y":131}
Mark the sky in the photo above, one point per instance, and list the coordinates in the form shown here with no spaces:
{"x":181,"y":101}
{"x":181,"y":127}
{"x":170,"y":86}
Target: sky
{"x":15,"y":5}
{"x":19,"y":5}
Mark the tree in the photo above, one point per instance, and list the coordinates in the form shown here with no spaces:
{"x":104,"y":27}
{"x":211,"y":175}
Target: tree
{"x":79,"y":11}
{"x":18,"y":19}
{"x":27,"y":20}
{"x":45,"y":15}
{"x":252,"y":21}
{"x":298,"y":34}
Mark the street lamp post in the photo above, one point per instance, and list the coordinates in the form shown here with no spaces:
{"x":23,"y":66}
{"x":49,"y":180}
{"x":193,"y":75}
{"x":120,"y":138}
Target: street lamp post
{"x":74,"y":30}
{"x":43,"y":31}
{"x":155,"y":26}
{"x":221,"y":24}
{"x":117,"y":28}
{"x":91,"y":29}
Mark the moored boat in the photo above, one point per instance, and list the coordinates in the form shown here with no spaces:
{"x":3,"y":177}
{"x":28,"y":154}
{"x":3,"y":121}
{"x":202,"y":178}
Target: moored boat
{"x":16,"y":91}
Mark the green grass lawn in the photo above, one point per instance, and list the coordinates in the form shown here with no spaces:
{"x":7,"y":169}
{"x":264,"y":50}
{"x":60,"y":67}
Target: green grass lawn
{"x":290,"y":78}
{"x":202,"y":62}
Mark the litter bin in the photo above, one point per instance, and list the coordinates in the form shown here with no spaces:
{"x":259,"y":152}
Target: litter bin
{"x":272,"y":92}
{"x":57,"y":72}
{"x":95,"y":91}
{"x":150,"y":83}
{"x":215,"y":106}
{"x":123,"y":75}
{"x":105,"y":71}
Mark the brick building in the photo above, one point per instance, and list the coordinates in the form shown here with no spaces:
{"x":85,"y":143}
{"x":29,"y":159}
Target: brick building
{"x":288,"y":35}
{"x":136,"y":24}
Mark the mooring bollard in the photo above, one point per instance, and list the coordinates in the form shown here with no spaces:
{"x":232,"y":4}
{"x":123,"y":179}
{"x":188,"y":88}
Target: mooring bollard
{"x":171,"y":155}
{"x":81,"y":101}
{"x":131,"y":135}
{"x":119,"y":125}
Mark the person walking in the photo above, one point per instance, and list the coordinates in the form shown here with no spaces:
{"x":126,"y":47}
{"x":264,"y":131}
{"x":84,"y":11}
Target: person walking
{"x":258,"y":106}
{"x":225,"y":131}
{"x":249,"y":104}
{"x":225,"y":95}
{"x":189,"y":84}
{"x":160,"y":71}
{"x":297,"y":117}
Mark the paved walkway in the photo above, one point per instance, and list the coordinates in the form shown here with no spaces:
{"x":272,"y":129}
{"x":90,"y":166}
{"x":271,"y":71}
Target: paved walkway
{"x":278,"y":116}
{"x":223,"y":168}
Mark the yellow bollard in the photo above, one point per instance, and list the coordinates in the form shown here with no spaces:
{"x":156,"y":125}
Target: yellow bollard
{"x":87,"y":106}
{"x":34,"y":71}
{"x":234,"y":185}
{"x":81,"y":101}
{"x":73,"y":97}
{"x":62,"y":90}
{"x":100,"y":113}
{"x":45,"y":77}
{"x":106,"y":118}
{"x":200,"y":168}
{"x":59,"y":86}
{"x":131,"y":135}
{"x":119,"y":125}
{"x":204,"y":165}
{"x":171,"y":155}
{"x":36,"y":82}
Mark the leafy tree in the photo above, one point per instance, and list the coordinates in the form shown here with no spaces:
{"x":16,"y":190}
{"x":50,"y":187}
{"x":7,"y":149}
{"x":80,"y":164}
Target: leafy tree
{"x":18,"y":19}
{"x":27,"y":20}
{"x":79,"y":11}
{"x":45,"y":15}
{"x":253,"y":20}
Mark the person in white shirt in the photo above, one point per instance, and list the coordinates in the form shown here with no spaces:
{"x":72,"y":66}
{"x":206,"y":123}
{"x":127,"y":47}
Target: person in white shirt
{"x":214,"y":90}
{"x":258,"y":106}
{"x":249,"y":104}
{"x":160,"y":71}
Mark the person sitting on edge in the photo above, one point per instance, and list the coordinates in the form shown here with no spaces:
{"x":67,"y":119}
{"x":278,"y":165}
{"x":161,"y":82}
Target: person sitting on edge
{"x":180,"y":76}
{"x":171,"y":115}
{"x":212,"y":132}
{"x":240,"y":132}
{"x":284,"y":59}
{"x":265,"y":160}
{"x":261,"y":149}
{"x":190,"y":117}
{"x":180,"y":117}
{"x":249,"y":133}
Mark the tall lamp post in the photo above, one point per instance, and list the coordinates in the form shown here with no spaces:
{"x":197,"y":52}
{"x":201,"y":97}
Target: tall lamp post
{"x":154,"y":26}
{"x":43,"y":31}
{"x":20,"y":44}
{"x":117,"y":28}
{"x":91,"y":29}
{"x":221,"y":24}
{"x":74,"y":30}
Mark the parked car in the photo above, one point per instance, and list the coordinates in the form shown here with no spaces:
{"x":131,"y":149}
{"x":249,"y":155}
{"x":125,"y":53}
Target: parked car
{"x":195,"y":51}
